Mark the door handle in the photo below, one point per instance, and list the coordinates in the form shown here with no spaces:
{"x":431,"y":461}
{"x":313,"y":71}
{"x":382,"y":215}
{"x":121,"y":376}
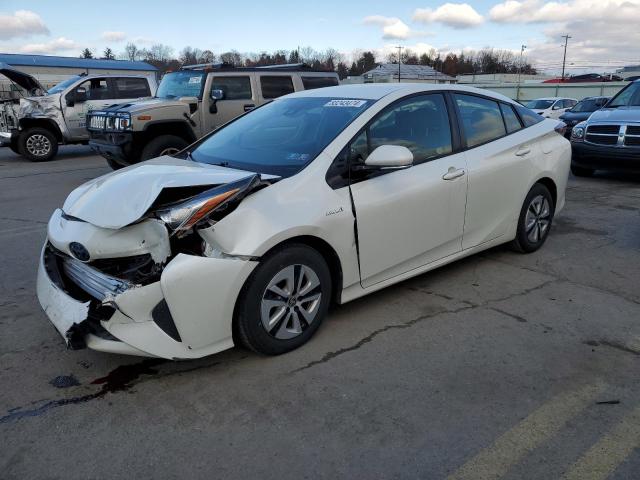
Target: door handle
{"x":523,"y":151}
{"x":249,"y":107}
{"x":453,"y":173}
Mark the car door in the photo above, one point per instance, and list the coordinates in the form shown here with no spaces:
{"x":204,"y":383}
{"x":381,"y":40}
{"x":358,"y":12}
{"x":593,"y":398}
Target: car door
{"x":498,"y":155}
{"x":239,"y":96}
{"x":557,"y":109}
{"x":411,"y":217}
{"x":100,"y":93}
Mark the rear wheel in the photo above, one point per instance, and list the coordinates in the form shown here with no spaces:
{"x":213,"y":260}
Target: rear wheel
{"x":163,"y":145}
{"x":284,"y":301}
{"x":37,"y":144}
{"x":113,"y":164}
{"x":581,"y":171}
{"x":535,"y":219}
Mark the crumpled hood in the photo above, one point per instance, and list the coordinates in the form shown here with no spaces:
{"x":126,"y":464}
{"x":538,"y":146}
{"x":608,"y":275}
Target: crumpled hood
{"x":620,"y":114}
{"x":138,"y":106}
{"x":46,"y":106}
{"x":119,"y":198}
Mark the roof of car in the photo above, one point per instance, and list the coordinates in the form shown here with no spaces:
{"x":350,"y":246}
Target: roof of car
{"x":18,"y":60}
{"x":376,"y":91}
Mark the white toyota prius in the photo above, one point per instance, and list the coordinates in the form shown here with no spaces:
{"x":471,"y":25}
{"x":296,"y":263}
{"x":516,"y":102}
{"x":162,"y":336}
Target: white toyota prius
{"x":320,"y":196}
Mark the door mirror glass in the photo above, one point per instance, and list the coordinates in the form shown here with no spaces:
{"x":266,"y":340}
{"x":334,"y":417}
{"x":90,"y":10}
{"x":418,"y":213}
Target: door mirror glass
{"x":390,"y":157}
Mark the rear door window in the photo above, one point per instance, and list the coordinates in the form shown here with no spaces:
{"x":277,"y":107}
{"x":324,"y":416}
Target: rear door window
{"x":234,"y":88}
{"x":310,"y":83}
{"x":131,"y":88}
{"x":481,"y":119}
{"x":529,"y":117}
{"x":275,"y":86}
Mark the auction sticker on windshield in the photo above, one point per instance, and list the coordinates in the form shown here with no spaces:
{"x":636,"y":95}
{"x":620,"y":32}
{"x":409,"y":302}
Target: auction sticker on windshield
{"x":345,"y":103}
{"x":195,"y":79}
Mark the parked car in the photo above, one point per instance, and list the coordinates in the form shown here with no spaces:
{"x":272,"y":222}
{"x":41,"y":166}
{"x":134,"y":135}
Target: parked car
{"x":551,"y":107}
{"x":581,"y":111}
{"x":190,"y":103}
{"x":35,"y":126}
{"x":610,"y":138}
{"x":586,"y":78}
{"x":320,"y":196}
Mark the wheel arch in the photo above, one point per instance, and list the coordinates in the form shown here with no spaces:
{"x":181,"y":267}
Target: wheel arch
{"x":47,"y":123}
{"x":551,"y":186}
{"x":170,"y":127}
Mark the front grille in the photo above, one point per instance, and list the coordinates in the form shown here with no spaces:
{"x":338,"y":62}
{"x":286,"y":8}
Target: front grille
{"x":633,"y":130}
{"x":603,"y":139}
{"x":604,"y":129}
{"x":632,"y":141}
{"x":98,"y":122}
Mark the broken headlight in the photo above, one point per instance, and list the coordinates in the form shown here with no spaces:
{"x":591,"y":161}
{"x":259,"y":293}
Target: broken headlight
{"x":208,"y":206}
{"x":122,"y":121}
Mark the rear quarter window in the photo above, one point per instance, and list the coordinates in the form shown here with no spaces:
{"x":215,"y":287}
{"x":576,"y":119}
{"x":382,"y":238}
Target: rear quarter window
{"x":529,"y":117}
{"x":310,"y":83}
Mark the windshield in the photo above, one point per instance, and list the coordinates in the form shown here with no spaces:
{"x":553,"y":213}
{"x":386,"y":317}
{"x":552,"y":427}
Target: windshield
{"x":539,"y":104}
{"x":589,"y":105}
{"x":282,"y":137}
{"x":184,"y":83}
{"x":627,"y":97}
{"x":63,"y":85}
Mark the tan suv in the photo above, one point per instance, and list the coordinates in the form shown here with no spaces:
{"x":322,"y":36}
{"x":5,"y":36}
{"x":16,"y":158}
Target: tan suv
{"x":190,"y":103}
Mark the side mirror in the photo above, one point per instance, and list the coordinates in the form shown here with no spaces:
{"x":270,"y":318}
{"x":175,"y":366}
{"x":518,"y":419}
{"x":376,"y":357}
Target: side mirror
{"x":389,"y":157}
{"x":216,"y":95}
{"x":557,"y":106}
{"x":80,"y":95}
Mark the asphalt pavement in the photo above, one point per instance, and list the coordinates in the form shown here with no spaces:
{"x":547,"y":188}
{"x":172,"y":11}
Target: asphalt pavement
{"x":501,"y":365}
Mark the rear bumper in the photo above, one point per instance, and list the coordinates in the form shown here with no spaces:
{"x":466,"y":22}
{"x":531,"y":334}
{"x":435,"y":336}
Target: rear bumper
{"x":604,"y":157}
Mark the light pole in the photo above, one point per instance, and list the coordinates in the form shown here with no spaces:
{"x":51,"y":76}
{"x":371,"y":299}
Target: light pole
{"x":399,"y":60}
{"x":522,"y":49}
{"x":564,"y":58}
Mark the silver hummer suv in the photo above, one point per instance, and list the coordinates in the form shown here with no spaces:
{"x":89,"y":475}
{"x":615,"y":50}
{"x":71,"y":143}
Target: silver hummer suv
{"x":190,"y":103}
{"x":34,"y":125}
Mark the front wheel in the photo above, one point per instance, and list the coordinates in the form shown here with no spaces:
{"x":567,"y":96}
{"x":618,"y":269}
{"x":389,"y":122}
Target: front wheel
{"x":38,"y":144}
{"x":163,"y":145}
{"x":284,"y":301}
{"x":535,"y":219}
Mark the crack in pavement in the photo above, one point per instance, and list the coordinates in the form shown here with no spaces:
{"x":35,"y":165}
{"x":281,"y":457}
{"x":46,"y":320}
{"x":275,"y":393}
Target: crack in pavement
{"x":10,"y":219}
{"x":53,"y":173}
{"x":612,"y":344}
{"x":470,"y":306}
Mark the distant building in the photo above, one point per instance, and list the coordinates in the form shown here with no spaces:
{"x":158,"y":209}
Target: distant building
{"x":388,"y":72}
{"x":51,"y":70}
{"x":489,"y":78}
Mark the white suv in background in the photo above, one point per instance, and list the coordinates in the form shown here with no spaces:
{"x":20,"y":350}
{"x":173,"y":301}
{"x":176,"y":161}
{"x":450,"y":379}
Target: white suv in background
{"x":551,"y":107}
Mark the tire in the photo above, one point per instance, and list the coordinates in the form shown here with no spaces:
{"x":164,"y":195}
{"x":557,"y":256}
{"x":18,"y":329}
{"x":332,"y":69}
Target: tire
{"x":14,"y":146}
{"x":581,"y":171}
{"x":536,"y":215}
{"x":163,"y":145}
{"x":38,"y":144}
{"x":274,"y":323}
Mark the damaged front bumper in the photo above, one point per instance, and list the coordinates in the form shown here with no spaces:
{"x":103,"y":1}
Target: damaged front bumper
{"x":185,"y":312}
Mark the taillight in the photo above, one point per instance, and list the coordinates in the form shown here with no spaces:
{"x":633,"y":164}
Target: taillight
{"x":561,"y":128}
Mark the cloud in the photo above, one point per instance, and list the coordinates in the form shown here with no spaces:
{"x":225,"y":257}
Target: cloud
{"x":392,"y":27}
{"x":114,"y":36}
{"x":604,"y":33}
{"x":52,"y":47}
{"x":455,"y":15}
{"x":537,"y":11}
{"x":22,"y":23}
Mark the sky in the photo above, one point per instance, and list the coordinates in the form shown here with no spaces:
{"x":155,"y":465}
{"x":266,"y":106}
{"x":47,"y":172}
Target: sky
{"x":604,"y":33}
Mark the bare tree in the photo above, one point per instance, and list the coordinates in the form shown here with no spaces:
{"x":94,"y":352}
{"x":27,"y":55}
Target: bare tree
{"x":108,"y":54}
{"x":131,"y":52}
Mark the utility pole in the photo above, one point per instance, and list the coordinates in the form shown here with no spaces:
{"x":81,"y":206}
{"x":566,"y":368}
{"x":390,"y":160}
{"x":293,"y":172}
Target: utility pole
{"x":399,"y":60}
{"x":522,"y":49}
{"x":564,"y":58}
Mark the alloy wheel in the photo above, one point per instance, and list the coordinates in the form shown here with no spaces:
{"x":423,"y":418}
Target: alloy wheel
{"x":538,"y":218}
{"x":291,"y":302}
{"x":169,"y":151}
{"x":38,"y":145}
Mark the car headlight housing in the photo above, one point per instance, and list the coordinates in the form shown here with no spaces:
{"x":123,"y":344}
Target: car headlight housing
{"x":122,"y":121}
{"x":209,"y":206}
{"x":577,"y":132}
